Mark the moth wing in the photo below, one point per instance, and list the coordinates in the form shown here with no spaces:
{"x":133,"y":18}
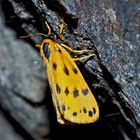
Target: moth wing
{"x":74,"y":100}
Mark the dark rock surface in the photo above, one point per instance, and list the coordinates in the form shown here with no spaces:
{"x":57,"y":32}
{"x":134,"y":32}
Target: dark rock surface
{"x":109,"y":28}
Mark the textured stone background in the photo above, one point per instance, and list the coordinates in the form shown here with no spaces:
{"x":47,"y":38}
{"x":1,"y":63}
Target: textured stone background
{"x":109,"y":28}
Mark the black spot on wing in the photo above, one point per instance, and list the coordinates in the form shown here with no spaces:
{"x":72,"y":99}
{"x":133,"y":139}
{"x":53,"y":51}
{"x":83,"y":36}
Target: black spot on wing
{"x":66,"y":70}
{"x":90,"y":113}
{"x":75,"y":70}
{"x":54,"y":66}
{"x":59,"y":50}
{"x":85,"y":91}
{"x":66,"y":91}
{"x":84,"y":110}
{"x":46,"y":50}
{"x":74,"y":114}
{"x":75,"y":92}
{"x":63,"y":107}
{"x":94,"y":110}
{"x":58,"y":88}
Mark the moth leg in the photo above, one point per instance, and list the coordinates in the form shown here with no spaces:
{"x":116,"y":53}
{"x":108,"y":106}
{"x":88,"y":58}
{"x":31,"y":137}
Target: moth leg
{"x":38,"y":46}
{"x":61,"y":30}
{"x":61,"y":26}
{"x":75,"y":51}
{"x":84,"y":57}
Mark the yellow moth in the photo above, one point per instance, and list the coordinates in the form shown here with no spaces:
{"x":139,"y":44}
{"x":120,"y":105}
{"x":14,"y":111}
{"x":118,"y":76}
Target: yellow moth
{"x":72,"y":98}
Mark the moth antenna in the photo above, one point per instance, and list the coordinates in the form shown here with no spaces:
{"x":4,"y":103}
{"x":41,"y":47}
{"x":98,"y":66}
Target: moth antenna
{"x":61,"y":30}
{"x":49,"y":29}
{"x":32,"y":35}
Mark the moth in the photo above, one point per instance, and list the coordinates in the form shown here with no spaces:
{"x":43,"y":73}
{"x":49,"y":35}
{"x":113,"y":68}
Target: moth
{"x":72,"y":98}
